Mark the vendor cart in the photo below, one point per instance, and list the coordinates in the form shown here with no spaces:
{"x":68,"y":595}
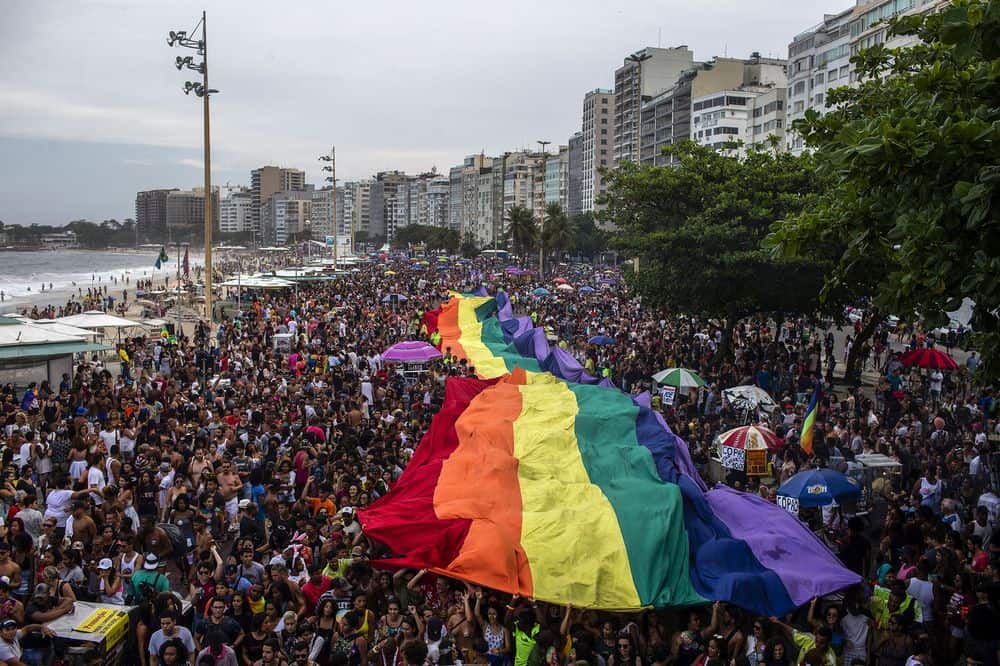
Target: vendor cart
{"x":877,"y":475}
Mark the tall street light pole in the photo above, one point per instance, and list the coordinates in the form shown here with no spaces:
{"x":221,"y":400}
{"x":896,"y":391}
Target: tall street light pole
{"x":541,"y":218}
{"x":331,"y":166}
{"x":200,"y":45}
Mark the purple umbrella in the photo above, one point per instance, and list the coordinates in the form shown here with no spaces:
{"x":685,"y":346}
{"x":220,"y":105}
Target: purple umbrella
{"x":411,"y":351}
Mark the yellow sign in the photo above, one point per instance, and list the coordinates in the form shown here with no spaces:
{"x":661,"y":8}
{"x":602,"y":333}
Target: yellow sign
{"x":112,"y":624}
{"x":757,"y":462}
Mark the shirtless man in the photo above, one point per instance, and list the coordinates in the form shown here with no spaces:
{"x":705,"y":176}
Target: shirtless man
{"x":230,"y":487}
{"x":154,"y":539}
{"x":9,"y":567}
{"x":198,"y":466}
{"x":84,"y":528}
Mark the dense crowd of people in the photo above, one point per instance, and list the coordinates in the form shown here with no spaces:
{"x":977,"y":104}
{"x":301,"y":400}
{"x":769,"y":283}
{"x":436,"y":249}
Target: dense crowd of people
{"x":212,"y":480}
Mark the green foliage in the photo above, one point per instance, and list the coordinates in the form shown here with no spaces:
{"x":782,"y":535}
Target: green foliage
{"x":522,"y":231}
{"x":696,"y":229}
{"x":588,"y":240}
{"x":468,"y":247}
{"x":433,"y":238}
{"x":558,"y":233}
{"x":912,"y":153}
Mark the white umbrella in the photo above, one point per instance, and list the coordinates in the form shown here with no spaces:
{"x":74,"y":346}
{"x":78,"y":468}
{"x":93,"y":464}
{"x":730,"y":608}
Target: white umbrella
{"x":749,"y":397}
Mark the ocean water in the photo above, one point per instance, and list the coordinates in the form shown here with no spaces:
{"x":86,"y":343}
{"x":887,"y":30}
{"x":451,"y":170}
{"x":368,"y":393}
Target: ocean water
{"x":22,"y":274}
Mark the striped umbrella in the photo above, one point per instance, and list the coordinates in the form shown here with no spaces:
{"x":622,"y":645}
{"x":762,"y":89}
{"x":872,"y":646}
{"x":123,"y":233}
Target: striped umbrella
{"x":928,"y":358}
{"x":679,"y":377}
{"x":751,"y":437}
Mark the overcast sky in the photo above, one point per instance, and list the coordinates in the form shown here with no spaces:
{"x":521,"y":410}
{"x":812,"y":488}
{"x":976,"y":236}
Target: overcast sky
{"x":91,"y":108}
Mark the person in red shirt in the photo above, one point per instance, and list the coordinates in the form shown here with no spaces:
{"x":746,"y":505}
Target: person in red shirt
{"x":314,"y":589}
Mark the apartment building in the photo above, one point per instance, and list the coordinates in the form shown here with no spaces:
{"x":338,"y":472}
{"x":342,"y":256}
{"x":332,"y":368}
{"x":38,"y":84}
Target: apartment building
{"x":266,"y":181}
{"x":818,"y":60}
{"x":236,"y":211}
{"x":597,"y":144}
{"x":642,"y":76}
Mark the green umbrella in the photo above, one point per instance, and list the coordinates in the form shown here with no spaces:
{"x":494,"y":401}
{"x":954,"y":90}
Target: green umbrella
{"x":679,"y":377}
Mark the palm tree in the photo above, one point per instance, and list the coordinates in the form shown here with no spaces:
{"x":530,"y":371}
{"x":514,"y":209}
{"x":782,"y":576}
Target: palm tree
{"x":558,"y":233}
{"x":522,"y":232}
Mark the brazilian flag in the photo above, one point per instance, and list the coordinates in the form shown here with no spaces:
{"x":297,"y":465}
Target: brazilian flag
{"x":161,"y":259}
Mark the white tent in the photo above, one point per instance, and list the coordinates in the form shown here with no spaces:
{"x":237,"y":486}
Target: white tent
{"x":258,"y":283}
{"x":65,"y":329}
{"x":23,"y":333}
{"x":96,"y":319}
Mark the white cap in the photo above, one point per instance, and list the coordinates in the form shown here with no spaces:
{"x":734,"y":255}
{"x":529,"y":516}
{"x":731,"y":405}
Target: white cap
{"x":105,"y":563}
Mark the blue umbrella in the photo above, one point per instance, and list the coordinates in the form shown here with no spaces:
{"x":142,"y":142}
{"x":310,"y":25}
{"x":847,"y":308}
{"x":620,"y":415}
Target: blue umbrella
{"x":601,"y":340}
{"x":541,"y":291}
{"x":818,"y":487}
{"x":586,"y":290}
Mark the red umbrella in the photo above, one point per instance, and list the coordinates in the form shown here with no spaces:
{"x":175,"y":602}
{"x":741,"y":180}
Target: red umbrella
{"x":755,"y":435}
{"x":928,"y":358}
{"x":560,"y":280}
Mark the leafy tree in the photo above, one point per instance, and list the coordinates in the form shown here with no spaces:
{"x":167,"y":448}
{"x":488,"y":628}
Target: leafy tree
{"x":468,"y":247}
{"x":434,"y":238}
{"x":558,"y":234}
{"x":696,"y":229}
{"x":522,"y":231}
{"x":912,"y":151}
{"x":588,"y":239}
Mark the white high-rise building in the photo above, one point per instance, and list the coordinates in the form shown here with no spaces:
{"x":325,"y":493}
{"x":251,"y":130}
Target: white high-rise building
{"x":818,"y":59}
{"x":236,"y":211}
{"x":597,"y":143}
{"x":643,"y":75}
{"x":323,"y":213}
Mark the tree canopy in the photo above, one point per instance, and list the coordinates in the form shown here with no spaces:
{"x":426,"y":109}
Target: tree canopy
{"x":433,"y":238}
{"x":912,"y":154}
{"x":522,"y":231}
{"x":696,"y":229}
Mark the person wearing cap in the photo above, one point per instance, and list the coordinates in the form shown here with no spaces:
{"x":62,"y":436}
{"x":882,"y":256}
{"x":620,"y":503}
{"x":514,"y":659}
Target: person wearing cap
{"x":111,"y":587}
{"x":45,"y":606}
{"x":235,"y":580}
{"x":250,"y":526}
{"x":10,"y":640}
{"x":149,"y":576}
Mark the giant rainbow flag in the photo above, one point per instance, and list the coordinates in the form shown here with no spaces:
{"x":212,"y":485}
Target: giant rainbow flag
{"x":538,"y":479}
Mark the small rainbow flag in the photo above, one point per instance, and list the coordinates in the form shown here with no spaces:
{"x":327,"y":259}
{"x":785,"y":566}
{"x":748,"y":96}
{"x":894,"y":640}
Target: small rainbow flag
{"x":809,"y":424}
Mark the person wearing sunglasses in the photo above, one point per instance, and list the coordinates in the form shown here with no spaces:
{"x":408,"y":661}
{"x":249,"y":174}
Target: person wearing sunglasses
{"x":625,"y":653}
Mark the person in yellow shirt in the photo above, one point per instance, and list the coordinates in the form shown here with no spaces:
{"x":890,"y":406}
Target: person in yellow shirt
{"x":123,"y":357}
{"x":807,"y":642}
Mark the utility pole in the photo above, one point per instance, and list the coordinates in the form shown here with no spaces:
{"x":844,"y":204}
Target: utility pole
{"x":331,"y":166}
{"x":208,"y":178}
{"x":541,"y":218}
{"x":181,"y":38}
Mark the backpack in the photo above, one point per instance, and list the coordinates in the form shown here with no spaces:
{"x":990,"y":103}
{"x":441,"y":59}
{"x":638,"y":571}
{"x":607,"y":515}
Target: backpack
{"x":145,"y":592}
{"x":176,"y":538}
